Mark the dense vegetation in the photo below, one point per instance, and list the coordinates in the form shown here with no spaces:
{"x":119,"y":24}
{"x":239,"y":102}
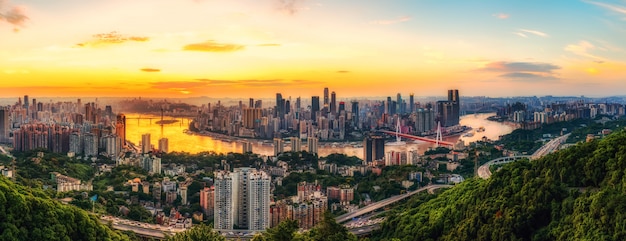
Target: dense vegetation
{"x":574,"y":194}
{"x":29,"y":214}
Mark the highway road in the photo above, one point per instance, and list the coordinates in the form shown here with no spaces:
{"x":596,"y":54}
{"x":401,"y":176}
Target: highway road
{"x":551,"y":146}
{"x":142,"y":229}
{"x":384,"y":203}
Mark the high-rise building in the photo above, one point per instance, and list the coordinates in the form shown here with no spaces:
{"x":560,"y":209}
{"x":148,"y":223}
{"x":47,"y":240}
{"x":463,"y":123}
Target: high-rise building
{"x":333,"y":103}
{"x":207,"y":196}
{"x":280,"y":105}
{"x":251,"y":117}
{"x":223,"y":219}
{"x":312,"y":145}
{"x":295,"y":144}
{"x":411,"y":103}
{"x":355,"y":113}
{"x":251,"y":103}
{"x":4,"y":124}
{"x":259,"y":201}
{"x":242,"y":198}
{"x":26,"y":103}
{"x":90,"y":144}
{"x":424,"y":120}
{"x":76,"y":143}
{"x":449,"y":110}
{"x":120,"y":128}
{"x":146,"y":146}
{"x":113,"y":145}
{"x":278,"y":146}
{"x":164,"y":145}
{"x":315,"y":107}
{"x":326,"y":100}
{"x":151,"y":164}
{"x":399,"y":104}
{"x":373,"y":148}
{"x":246,"y":147}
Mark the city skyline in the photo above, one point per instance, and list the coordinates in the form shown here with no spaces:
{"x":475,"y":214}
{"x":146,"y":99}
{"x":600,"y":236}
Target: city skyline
{"x":233,"y":48}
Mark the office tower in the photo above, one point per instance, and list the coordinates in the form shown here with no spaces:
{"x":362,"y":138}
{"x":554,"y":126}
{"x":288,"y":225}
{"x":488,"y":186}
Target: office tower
{"x":315,"y":107}
{"x":120,"y":128}
{"x":326,"y":100}
{"x":259,"y":201}
{"x":449,"y":110}
{"x":251,"y":117}
{"x":278,"y":146}
{"x":164,"y":145}
{"x":287,"y":106}
{"x":4,"y":124}
{"x":26,"y":103}
{"x":411,"y":103}
{"x":355,"y":113}
{"x":258,"y":104}
{"x":373,"y":148}
{"x":399,"y":103}
{"x":333,"y":103}
{"x":223,"y":206}
{"x":251,"y":103}
{"x":388,"y":105}
{"x":90,"y":144}
{"x":342,"y":106}
{"x":280,"y":105}
{"x":298,"y":104}
{"x":207,"y":197}
{"x":312,"y":145}
{"x":295,"y":144}
{"x":246,"y":147}
{"x":146,"y":146}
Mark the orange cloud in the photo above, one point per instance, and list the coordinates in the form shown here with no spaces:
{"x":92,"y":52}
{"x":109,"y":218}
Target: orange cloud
{"x":212,"y":46}
{"x":111,"y":38}
{"x":150,"y":70}
{"x":15,"y":15}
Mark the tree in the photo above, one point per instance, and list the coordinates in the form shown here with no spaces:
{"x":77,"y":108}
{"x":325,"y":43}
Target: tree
{"x":284,"y":231}
{"x":198,"y":233}
{"x":329,"y":230}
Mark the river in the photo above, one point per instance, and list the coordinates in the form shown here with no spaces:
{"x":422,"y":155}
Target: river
{"x":182,"y":142}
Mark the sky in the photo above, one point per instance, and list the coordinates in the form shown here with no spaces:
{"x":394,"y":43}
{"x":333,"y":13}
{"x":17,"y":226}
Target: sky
{"x":256,"y":48}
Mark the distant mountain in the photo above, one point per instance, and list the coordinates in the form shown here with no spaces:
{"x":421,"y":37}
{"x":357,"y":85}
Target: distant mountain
{"x":29,"y":214}
{"x":574,"y":194}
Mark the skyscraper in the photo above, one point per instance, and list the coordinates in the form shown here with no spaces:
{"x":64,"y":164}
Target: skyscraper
{"x":223,"y":206}
{"x":355,"y":113}
{"x":399,"y":104}
{"x":4,"y":124}
{"x":120,"y":128}
{"x":333,"y":103}
{"x":164,"y":145}
{"x":242,"y":198}
{"x":373,"y":148}
{"x":315,"y":107}
{"x":146,"y":146}
{"x":278,"y":146}
{"x":411,"y":103}
{"x":280,"y":105}
{"x":259,"y":202}
{"x":449,"y":111}
{"x":326,"y":96}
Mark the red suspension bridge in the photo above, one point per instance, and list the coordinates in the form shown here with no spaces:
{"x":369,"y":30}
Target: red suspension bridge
{"x":418,"y":138}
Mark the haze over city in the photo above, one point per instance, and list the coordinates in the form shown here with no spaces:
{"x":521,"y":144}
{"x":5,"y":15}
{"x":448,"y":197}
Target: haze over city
{"x":221,"y":48}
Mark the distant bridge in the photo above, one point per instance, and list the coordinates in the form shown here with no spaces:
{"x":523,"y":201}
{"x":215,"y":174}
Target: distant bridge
{"x":418,"y":138}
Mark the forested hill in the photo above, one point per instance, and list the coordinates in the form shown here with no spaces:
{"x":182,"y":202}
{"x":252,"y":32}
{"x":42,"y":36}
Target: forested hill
{"x":27,"y":214}
{"x":574,"y":194}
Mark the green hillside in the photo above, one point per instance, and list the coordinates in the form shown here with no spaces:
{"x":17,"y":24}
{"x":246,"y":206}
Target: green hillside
{"x":574,"y":194}
{"x":27,"y":214}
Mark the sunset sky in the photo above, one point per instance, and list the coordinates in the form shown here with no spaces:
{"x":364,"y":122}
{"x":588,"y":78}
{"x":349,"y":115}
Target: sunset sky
{"x":255,"y":48}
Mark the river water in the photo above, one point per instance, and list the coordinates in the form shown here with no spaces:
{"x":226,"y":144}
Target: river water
{"x":182,"y":142}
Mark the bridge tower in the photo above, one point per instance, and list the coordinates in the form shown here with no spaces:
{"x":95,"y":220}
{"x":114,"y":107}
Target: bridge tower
{"x":439,"y":137}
